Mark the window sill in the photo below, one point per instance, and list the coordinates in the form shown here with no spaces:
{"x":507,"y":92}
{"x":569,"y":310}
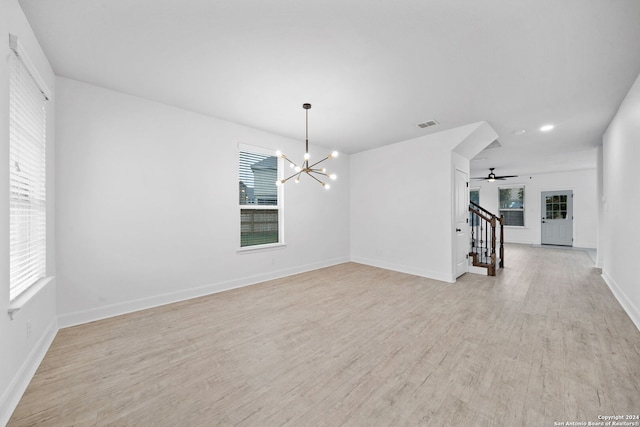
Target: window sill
{"x":21,"y":300}
{"x":261,"y":248}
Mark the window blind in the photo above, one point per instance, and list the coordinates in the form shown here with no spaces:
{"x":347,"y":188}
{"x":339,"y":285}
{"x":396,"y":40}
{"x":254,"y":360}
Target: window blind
{"x":27,"y":178}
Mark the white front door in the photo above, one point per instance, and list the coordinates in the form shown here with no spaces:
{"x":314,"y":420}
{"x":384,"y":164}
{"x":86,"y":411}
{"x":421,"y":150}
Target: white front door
{"x":462,"y":227}
{"x":557,"y":218}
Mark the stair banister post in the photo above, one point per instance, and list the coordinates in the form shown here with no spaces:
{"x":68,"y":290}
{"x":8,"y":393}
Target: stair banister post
{"x":493,"y":241}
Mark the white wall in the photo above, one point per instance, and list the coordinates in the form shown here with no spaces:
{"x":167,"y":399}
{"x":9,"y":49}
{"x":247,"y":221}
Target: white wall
{"x":21,"y":352}
{"x":399,"y":218}
{"x":600,"y":189}
{"x":148,"y":206}
{"x":585,"y":204}
{"x":621,"y":204}
{"x":402,"y":201}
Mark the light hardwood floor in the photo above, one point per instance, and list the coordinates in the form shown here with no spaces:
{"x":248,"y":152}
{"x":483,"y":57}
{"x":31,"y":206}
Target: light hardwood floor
{"x":543,"y":342}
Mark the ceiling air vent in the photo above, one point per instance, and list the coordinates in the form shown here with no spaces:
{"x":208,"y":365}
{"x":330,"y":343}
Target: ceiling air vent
{"x":427,"y":124}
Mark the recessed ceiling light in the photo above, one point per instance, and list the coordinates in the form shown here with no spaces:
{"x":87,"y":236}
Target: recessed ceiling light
{"x":519,"y":132}
{"x":546,"y":128}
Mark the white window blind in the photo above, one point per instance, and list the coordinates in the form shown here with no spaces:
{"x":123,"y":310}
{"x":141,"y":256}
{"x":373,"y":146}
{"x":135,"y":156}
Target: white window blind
{"x":27,"y":177}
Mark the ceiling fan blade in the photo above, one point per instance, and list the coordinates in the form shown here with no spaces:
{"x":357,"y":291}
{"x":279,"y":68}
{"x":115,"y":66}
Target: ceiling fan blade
{"x":493,"y":177}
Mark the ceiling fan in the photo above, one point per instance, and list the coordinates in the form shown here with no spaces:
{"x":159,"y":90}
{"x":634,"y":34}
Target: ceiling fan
{"x":492,"y":176}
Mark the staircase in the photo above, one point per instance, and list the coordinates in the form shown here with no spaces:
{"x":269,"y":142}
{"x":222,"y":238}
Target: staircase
{"x":484,"y":241}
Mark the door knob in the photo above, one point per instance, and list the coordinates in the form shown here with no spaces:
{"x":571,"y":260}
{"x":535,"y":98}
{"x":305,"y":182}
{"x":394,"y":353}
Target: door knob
{"x":458,"y":230}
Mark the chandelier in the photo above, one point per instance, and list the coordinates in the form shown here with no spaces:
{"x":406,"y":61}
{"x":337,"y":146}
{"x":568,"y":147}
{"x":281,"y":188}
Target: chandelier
{"x":317,"y":173}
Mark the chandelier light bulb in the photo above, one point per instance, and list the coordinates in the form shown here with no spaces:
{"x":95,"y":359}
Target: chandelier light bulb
{"x":324,"y":170}
{"x":279,"y":153}
{"x":334,"y":154}
{"x":326,"y":186}
{"x":297,"y":180}
{"x":333,"y":176}
{"x":297,"y":169}
{"x":306,"y":156}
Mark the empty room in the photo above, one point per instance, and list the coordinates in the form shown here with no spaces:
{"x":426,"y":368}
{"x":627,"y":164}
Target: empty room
{"x":324,"y":213}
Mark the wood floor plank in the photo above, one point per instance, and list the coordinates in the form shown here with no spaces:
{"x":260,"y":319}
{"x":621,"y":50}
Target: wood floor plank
{"x":543,"y":341}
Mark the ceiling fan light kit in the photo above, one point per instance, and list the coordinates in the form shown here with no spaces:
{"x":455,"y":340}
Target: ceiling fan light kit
{"x":319,"y":174}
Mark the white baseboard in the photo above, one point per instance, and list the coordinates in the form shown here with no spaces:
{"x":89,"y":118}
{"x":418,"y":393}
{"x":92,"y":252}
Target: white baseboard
{"x":12,"y":395}
{"x":522,"y":242}
{"x":477,"y":270}
{"x":85,"y":316}
{"x":625,"y":302}
{"x":405,"y":269}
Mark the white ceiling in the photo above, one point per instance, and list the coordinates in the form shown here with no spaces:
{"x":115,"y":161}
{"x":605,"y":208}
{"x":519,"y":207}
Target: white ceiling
{"x":371,"y":69}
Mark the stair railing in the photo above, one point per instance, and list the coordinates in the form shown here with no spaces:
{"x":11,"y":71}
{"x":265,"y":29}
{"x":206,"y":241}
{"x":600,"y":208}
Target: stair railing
{"x":484,"y":239}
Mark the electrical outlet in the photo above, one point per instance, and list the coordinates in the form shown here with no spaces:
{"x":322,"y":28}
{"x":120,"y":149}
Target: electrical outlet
{"x":28,"y":328}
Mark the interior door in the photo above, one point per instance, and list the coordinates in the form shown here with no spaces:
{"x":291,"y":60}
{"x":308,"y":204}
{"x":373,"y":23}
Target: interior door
{"x":557,"y":218}
{"x":461,"y":197}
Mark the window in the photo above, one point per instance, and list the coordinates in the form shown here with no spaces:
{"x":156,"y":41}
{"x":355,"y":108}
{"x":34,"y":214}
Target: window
{"x":511,"y":205}
{"x":556,"y":206}
{"x":27,"y":173}
{"x":474,"y":196}
{"x":260,"y":199}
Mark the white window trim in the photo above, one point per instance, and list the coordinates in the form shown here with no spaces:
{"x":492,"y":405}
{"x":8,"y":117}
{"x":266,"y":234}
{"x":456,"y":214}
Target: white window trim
{"x":16,"y":46}
{"x":30,"y":292}
{"x":280,"y":206}
{"x":21,"y":300}
{"x":261,"y":248}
